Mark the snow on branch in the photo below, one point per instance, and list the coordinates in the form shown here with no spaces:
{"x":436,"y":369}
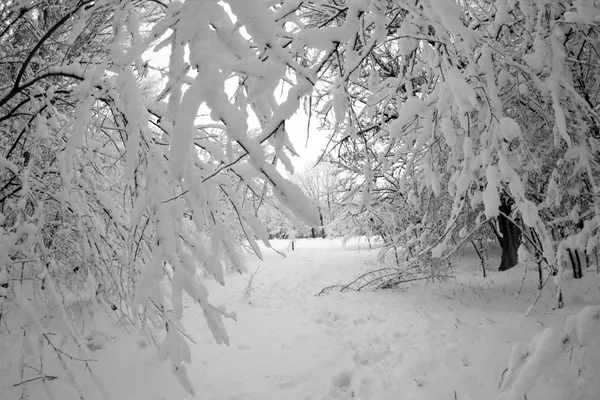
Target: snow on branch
{"x":528,"y":360}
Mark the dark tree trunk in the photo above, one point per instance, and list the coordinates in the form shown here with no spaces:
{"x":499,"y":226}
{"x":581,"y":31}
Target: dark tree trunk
{"x":312,"y":232}
{"x":540,"y":276}
{"x":576,"y":264}
{"x":321,"y":220}
{"x":510,"y":238}
{"x":579,"y":264}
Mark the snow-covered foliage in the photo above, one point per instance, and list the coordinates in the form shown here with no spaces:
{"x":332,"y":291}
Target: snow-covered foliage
{"x":320,"y":183}
{"x":115,"y":194}
{"x":528,"y":360}
{"x":475,"y":104}
{"x":112,"y":193}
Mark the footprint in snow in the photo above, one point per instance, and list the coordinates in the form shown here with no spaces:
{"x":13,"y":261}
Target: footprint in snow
{"x":370,"y":357}
{"x":340,"y":386}
{"x":287,"y":385}
{"x":332,"y":319}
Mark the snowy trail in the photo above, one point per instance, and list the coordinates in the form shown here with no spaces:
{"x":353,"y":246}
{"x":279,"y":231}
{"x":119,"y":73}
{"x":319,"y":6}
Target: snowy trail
{"x":385,"y":345}
{"x":448,"y":341}
{"x":278,"y":349}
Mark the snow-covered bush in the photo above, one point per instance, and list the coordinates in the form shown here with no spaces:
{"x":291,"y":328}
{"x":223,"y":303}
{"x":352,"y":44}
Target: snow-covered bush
{"x":528,"y":360}
{"x":112,"y":193}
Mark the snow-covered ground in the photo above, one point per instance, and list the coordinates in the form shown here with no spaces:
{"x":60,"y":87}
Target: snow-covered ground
{"x":422,"y":341}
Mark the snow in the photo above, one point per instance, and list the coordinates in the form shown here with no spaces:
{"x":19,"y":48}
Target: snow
{"x":491,"y":197}
{"x":324,"y":38}
{"x":408,"y":111}
{"x":586,"y":12}
{"x":340,"y":104}
{"x":181,"y":145}
{"x":421,"y":341}
{"x":510,"y":129}
{"x":464,"y":95}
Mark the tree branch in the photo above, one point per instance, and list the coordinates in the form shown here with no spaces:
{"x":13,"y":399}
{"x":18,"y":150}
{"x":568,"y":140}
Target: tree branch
{"x":47,"y":35}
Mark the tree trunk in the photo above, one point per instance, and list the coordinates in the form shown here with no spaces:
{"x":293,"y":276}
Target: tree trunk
{"x":575,"y":264}
{"x":510,"y":238}
{"x":321,"y":220}
{"x":540,"y":276}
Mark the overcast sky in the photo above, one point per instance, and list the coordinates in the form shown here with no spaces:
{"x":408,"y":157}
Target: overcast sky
{"x":296,"y":126}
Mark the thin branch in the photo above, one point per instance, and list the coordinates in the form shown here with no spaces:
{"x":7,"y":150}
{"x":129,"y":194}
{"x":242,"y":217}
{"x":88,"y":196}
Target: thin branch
{"x":13,"y":92}
{"x":47,"y":35}
{"x":44,"y":377}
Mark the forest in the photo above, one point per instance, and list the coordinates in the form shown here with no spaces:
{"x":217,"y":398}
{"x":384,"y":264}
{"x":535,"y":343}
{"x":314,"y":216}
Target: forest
{"x":129,"y":184}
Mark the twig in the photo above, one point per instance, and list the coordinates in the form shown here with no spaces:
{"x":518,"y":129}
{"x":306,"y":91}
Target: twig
{"x":188,"y":337}
{"x":251,"y":287}
{"x":522,"y":281}
{"x":502,"y":377}
{"x":5,"y":324}
{"x":62,"y":352}
{"x":480,"y":257}
{"x":49,"y":377}
{"x":539,"y":294}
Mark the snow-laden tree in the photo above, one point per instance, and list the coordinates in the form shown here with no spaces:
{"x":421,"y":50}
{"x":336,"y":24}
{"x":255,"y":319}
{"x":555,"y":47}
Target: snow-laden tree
{"x":491,"y":103}
{"x":111,"y":192}
{"x":278,"y":221}
{"x":319,"y":182}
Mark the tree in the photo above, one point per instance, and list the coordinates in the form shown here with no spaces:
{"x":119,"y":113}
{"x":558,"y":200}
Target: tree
{"x":107,"y":187}
{"x":509,"y":236}
{"x":457,"y":98}
{"x":319,"y":183}
{"x":278,"y":223}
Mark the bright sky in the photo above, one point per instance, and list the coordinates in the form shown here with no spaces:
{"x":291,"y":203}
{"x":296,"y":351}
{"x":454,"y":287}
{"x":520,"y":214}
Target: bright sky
{"x":317,"y":140}
{"x":296,"y":126}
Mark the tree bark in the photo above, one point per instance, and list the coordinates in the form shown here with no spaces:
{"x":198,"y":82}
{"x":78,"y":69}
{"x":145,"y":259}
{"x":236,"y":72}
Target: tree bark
{"x":321,"y":220}
{"x":510,"y":238}
{"x":576,"y":264}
